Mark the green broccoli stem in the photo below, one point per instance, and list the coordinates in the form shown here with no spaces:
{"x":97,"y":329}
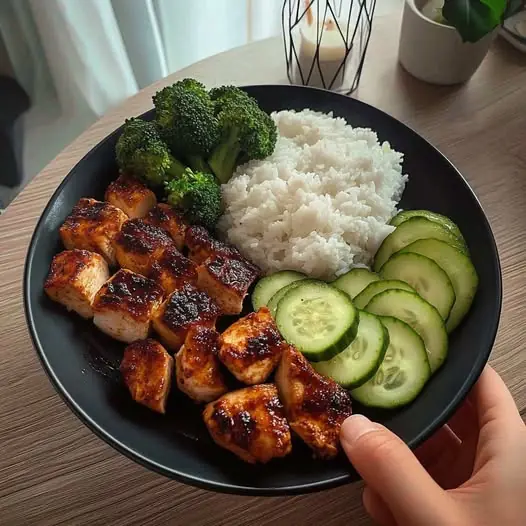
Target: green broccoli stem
{"x":176,"y":169}
{"x":198,"y":164}
{"x":223,"y":159}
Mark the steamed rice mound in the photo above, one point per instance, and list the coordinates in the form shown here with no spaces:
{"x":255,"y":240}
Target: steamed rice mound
{"x":320,"y":204}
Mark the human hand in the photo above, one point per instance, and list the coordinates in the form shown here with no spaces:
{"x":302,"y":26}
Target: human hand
{"x":472,"y":472}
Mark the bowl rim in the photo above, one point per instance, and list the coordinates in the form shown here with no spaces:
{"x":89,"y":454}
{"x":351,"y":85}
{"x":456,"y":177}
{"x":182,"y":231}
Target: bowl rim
{"x":230,"y":488}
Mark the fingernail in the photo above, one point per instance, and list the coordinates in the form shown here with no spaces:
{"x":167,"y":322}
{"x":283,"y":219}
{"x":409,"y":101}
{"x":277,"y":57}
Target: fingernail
{"x":355,"y":427}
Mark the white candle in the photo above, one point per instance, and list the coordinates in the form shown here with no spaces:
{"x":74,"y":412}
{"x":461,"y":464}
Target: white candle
{"x":331,"y":54}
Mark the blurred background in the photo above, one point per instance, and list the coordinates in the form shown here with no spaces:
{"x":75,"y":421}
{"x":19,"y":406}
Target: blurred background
{"x":64,"y":63}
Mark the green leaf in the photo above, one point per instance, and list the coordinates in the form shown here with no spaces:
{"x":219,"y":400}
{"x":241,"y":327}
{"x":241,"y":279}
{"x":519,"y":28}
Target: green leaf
{"x":498,"y":7}
{"x":473,"y":19}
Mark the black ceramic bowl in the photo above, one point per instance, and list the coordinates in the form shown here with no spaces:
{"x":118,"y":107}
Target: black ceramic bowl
{"x":83,"y":364}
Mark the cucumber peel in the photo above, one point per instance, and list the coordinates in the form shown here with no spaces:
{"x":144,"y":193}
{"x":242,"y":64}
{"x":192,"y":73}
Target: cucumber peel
{"x":354,"y":281}
{"x":410,"y":231}
{"x":376,"y":287}
{"x":319,"y":320}
{"x":420,"y":315}
{"x":360,"y":360}
{"x":443,"y":220}
{"x":403,"y":372}
{"x":460,"y":271}
{"x":268,"y":286}
{"x":425,"y":276}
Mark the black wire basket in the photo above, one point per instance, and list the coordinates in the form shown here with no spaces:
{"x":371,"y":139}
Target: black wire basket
{"x":326,"y":41}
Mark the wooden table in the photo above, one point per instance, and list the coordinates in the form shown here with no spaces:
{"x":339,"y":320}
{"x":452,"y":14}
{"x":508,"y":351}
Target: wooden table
{"x":54,"y":471}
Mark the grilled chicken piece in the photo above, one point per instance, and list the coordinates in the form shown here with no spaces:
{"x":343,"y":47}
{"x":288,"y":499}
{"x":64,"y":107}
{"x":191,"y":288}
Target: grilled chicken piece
{"x":251,"y":347}
{"x":124,"y":306}
{"x":131,"y":196}
{"x":199,"y":372}
{"x":227,"y":280}
{"x":74,"y":278}
{"x":172,"y":270}
{"x":93,"y":225}
{"x":202,"y":245}
{"x":250,"y":423}
{"x":147,"y":371}
{"x":185,"y":308}
{"x":166,"y":217}
{"x":315,"y":406}
{"x":138,"y":245}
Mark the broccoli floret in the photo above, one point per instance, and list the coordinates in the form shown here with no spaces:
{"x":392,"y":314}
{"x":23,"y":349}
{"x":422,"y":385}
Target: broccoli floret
{"x":272,"y":131}
{"x":195,"y":86}
{"x":185,"y":115}
{"x":247,"y":133}
{"x":198,"y":196}
{"x":230,"y":94}
{"x":141,"y":152}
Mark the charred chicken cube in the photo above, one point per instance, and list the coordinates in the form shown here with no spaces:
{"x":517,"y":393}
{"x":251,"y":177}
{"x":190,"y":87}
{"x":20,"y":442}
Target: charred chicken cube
{"x":199,"y":372}
{"x":165,"y":216}
{"x":172,"y":270}
{"x":124,"y":306}
{"x":202,"y":245}
{"x":227,"y":280}
{"x":75,"y":276}
{"x":131,"y":196}
{"x":251,"y":348}
{"x":315,"y":406}
{"x":93,"y":225}
{"x":138,"y":245}
{"x":147,"y":371}
{"x":185,"y":308}
{"x":250,"y":423}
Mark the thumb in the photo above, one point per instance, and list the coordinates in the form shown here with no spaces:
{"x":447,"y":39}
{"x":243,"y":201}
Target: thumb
{"x":391,"y":470}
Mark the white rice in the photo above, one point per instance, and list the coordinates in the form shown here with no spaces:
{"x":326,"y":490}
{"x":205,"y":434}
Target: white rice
{"x":320,"y":204}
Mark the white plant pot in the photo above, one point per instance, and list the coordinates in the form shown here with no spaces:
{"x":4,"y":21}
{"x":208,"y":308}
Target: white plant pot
{"x":435,"y":52}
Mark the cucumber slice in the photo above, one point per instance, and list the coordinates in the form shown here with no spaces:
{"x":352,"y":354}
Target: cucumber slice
{"x":318,"y":319}
{"x":460,"y":270}
{"x":354,"y":281}
{"x":376,"y":287}
{"x":274,"y":301}
{"x":420,"y":315}
{"x":403,"y":373}
{"x":269,"y":285}
{"x":432,"y":216}
{"x":425,"y":276}
{"x":358,"y":362}
{"x":412,"y":230}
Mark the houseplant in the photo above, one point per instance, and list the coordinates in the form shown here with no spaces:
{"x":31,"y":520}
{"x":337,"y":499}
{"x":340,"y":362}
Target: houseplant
{"x":445,"y":41}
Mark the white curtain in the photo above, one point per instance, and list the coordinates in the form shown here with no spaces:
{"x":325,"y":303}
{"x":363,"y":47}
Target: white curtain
{"x":78,"y":58}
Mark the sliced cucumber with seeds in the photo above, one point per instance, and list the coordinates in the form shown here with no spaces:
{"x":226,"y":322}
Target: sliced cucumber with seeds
{"x":276,"y":298}
{"x":425,"y":276}
{"x":320,"y":320}
{"x":420,"y":315}
{"x":403,"y":372}
{"x":360,"y":360}
{"x":376,"y":287}
{"x":410,"y":231}
{"x":354,"y":281}
{"x":460,"y":270}
{"x":432,"y":216}
{"x":269,"y":285}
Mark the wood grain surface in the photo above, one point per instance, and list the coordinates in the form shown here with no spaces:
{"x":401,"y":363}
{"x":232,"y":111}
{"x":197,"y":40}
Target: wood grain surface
{"x":54,"y":471}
